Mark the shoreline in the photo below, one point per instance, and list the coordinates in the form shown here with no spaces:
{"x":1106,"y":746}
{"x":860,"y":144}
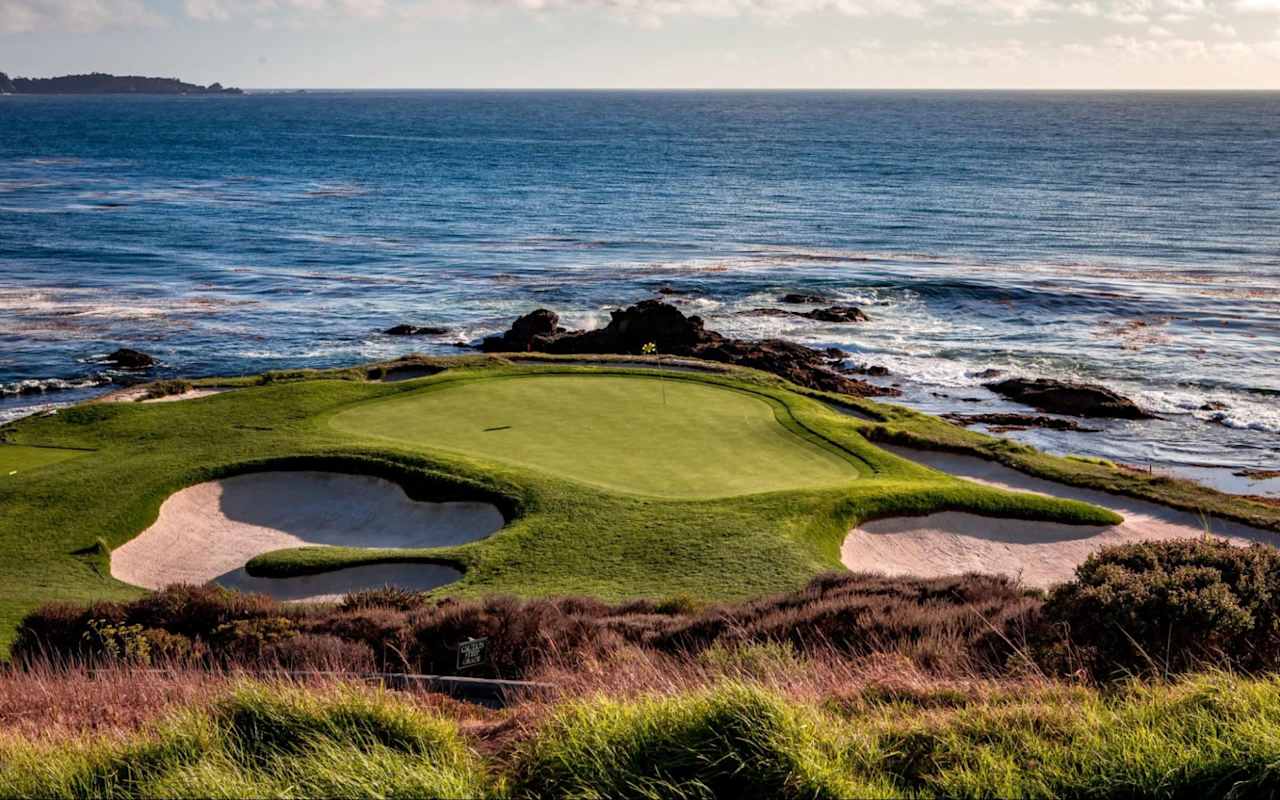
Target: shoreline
{"x":1223,"y":479}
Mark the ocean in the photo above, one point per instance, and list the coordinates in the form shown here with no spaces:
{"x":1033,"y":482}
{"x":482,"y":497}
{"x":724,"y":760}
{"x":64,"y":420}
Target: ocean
{"x":1128,"y":239}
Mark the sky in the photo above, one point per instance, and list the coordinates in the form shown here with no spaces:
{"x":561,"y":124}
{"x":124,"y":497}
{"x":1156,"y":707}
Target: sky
{"x":931,"y":44}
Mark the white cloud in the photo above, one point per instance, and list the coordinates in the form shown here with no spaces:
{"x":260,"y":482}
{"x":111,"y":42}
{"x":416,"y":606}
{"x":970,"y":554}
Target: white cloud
{"x":205,"y":10}
{"x":1182,"y":51}
{"x":1223,"y":29}
{"x":1272,"y":6}
{"x":79,"y":16}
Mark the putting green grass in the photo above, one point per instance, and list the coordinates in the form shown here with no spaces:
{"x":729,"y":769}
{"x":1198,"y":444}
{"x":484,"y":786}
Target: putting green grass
{"x":664,"y":437}
{"x":16,"y":460}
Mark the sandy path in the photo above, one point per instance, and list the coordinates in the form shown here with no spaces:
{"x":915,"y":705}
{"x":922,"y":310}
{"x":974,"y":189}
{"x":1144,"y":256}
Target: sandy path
{"x":1039,"y":553}
{"x":208,"y":531}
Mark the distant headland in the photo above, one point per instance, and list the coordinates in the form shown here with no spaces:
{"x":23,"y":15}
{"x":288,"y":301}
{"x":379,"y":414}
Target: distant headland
{"x":102,"y":83}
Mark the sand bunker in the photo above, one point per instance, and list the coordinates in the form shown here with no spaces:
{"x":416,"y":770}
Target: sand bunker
{"x":209,"y":531}
{"x":1039,"y":553}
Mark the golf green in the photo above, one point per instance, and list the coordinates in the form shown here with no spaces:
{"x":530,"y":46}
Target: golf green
{"x":637,"y":434}
{"x":16,"y":459}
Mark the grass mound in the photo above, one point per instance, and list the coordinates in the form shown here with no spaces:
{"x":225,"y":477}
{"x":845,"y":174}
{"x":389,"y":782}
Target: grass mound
{"x":669,"y":437}
{"x":261,"y":741}
{"x":733,"y":741}
{"x":1211,"y":736}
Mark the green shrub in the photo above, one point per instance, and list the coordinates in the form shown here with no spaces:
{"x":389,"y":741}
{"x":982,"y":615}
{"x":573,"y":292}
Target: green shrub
{"x":166,"y":388}
{"x":385,"y":597}
{"x":248,"y":640}
{"x":1169,"y":606}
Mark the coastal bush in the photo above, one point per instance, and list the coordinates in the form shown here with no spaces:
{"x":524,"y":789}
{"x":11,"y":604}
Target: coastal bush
{"x":385,"y":597}
{"x":165,"y":388}
{"x":968,"y":622}
{"x":386,"y":632}
{"x":304,"y":651}
{"x":1169,"y":606}
{"x":66,"y":631}
{"x":962,"y":623}
{"x":522,"y":634}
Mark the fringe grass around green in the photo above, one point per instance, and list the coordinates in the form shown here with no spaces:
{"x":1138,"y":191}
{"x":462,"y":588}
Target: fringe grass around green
{"x":1207,"y":736}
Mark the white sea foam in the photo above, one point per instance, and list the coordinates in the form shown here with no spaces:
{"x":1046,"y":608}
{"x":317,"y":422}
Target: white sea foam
{"x":8,"y":415}
{"x":35,"y":386}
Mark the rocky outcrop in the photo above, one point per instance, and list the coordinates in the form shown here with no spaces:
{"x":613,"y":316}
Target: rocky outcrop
{"x":874,"y":370}
{"x":801,"y":299}
{"x":837,"y":314}
{"x":1071,"y":399}
{"x":415,"y":330}
{"x":653,"y":321}
{"x":829,"y":314}
{"x":126,"y":358}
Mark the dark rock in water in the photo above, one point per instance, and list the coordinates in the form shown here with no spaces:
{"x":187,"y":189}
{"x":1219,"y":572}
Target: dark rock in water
{"x":800,"y":299}
{"x":126,"y":358}
{"x":1018,"y":422}
{"x":668,"y":290}
{"x":525,"y":333}
{"x":829,"y":314}
{"x":1257,"y":474}
{"x":837,"y":314}
{"x":1214,"y":406}
{"x":799,"y":364}
{"x":987,"y":374}
{"x":834,"y":353}
{"x":874,"y":370}
{"x":630,"y":329}
{"x":1072,"y":399}
{"x":415,"y":330}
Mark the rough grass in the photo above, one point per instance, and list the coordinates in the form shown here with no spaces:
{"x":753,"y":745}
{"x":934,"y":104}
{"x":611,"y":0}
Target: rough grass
{"x":1212,"y":735}
{"x":259,"y":741}
{"x":565,"y":537}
